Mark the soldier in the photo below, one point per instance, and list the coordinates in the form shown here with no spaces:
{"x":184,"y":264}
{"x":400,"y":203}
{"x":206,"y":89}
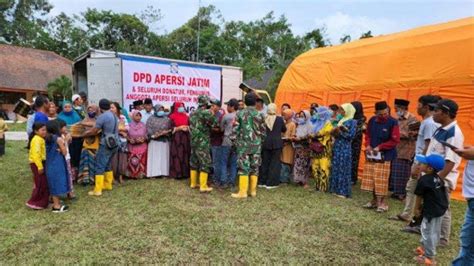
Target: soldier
{"x":201,"y":123}
{"x":250,"y":132}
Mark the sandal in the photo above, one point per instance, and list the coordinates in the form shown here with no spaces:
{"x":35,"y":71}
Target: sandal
{"x":63,"y":208}
{"x":424,"y":260}
{"x":369,"y":205}
{"x":420,"y":251}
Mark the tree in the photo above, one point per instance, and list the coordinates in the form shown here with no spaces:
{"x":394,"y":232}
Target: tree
{"x":60,"y":88}
{"x":366,"y":35}
{"x":346,"y":38}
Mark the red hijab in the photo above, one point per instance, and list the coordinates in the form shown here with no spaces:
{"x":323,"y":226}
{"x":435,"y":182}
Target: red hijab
{"x":179,"y":119}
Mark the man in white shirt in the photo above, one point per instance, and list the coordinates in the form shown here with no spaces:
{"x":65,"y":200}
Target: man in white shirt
{"x":147,"y":112}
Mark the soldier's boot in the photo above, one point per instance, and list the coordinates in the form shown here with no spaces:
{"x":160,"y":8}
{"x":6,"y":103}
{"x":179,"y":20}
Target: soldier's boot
{"x":253,"y":185}
{"x":243,"y":187}
{"x":203,"y":183}
{"x":193,"y":178}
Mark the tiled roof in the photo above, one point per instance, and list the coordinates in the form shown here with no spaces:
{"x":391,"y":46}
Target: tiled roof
{"x":30,"y":69}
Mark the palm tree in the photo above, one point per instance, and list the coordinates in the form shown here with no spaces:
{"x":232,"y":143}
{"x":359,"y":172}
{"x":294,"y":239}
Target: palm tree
{"x":60,"y":88}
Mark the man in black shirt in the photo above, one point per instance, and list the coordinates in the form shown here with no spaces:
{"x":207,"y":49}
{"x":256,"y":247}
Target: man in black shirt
{"x":431,"y":190}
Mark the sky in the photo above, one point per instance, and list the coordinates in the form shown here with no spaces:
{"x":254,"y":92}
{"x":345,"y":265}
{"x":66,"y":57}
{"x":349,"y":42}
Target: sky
{"x":338,"y":17}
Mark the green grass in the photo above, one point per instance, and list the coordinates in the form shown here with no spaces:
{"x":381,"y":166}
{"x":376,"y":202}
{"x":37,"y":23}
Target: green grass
{"x":163,"y":221}
{"x":17,"y":126}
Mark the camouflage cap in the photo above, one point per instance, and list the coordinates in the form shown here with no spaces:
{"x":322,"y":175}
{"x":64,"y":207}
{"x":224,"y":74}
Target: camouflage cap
{"x":203,"y":100}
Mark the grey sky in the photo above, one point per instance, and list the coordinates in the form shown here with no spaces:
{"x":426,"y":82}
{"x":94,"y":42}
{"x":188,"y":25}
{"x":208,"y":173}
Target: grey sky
{"x":339,"y":17}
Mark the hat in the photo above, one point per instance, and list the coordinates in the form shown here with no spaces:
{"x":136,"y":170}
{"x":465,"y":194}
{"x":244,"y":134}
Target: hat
{"x":402,"y":102}
{"x":379,"y":106}
{"x":448,"y":105}
{"x":435,"y":161}
{"x":75,"y":97}
{"x":233,"y":103}
{"x":203,"y":100}
{"x":148,"y":101}
{"x":216,"y":102}
{"x":137,"y":103}
{"x":250,"y":99}
{"x":104,"y":104}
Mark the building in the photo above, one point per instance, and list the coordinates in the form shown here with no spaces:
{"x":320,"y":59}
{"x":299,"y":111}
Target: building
{"x":25,"y":72}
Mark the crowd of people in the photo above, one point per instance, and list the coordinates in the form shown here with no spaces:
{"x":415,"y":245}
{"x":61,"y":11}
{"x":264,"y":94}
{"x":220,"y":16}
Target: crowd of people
{"x":250,"y":145}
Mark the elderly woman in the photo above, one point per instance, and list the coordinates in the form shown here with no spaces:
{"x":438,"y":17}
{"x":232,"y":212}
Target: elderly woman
{"x":137,"y":146}
{"x":158,"y":128}
{"x":341,"y":170}
{"x":272,"y":146}
{"x":90,"y":146}
{"x":302,"y":167}
{"x":119,"y":161}
{"x":71,"y":117}
{"x":321,"y":147}
{"x":180,"y":147}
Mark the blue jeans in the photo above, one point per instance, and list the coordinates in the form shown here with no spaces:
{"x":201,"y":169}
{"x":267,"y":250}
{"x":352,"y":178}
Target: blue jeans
{"x":103,"y":157}
{"x":228,"y":165}
{"x":216,"y":164}
{"x":466,"y":254}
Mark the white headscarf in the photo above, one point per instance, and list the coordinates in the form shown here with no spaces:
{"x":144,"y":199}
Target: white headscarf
{"x":306,"y":128}
{"x":271,"y":115}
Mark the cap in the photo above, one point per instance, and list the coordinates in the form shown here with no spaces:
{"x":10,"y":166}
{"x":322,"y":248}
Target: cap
{"x":203,"y":100}
{"x":379,"y":106}
{"x":233,"y":103}
{"x":104,"y":104}
{"x":402,"y":102}
{"x":75,"y":97}
{"x":148,"y":101}
{"x":137,"y":103}
{"x":436,"y":161}
{"x":216,"y":102}
{"x":448,"y":105}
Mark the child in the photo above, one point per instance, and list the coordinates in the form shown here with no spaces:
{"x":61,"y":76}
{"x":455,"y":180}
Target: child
{"x":56,"y":166}
{"x":67,"y":140}
{"x":40,"y":195}
{"x":3,"y":129}
{"x":432,"y":192}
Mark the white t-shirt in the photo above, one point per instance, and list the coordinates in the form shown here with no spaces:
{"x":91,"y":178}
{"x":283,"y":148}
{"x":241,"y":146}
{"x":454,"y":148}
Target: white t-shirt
{"x":451,"y":134}
{"x":427,"y":129}
{"x":468,"y":180}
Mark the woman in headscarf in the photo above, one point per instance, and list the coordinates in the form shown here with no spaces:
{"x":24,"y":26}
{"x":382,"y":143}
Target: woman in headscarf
{"x":357,"y":141}
{"x":158,"y":128}
{"x":71,"y":117}
{"x":90,"y":146}
{"x":340,"y":181}
{"x":272,"y":146}
{"x":137,"y":146}
{"x":119,"y":161}
{"x":321,"y":147}
{"x":180,"y":147}
{"x":288,"y":153}
{"x":302,"y":166}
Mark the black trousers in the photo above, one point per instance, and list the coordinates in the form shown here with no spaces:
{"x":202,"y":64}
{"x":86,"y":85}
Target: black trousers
{"x":2,"y":146}
{"x":75,"y":149}
{"x":271,"y":167}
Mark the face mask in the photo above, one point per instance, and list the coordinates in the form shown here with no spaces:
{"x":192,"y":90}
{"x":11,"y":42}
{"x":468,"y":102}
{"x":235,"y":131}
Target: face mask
{"x":300,"y":120}
{"x":339,"y":117}
{"x":91,"y":114}
{"x":160,"y":113}
{"x":180,"y":109}
{"x":400,"y":113}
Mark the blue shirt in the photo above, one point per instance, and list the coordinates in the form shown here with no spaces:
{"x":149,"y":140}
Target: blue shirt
{"x":40,"y":117}
{"x":108,"y":123}
{"x":380,"y":133}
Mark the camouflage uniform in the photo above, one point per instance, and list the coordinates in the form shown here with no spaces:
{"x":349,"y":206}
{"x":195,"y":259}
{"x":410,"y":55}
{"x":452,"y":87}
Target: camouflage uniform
{"x":249,"y":134}
{"x":201,"y":122}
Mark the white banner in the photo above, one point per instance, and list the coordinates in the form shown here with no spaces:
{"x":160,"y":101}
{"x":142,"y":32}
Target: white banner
{"x":166,"y":82}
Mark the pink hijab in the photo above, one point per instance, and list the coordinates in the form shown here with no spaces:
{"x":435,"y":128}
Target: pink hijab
{"x":137,"y":130}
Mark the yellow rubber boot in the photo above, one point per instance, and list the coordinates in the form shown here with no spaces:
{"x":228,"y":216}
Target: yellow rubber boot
{"x":99,"y":183}
{"x":193,"y":178}
{"x":243,"y":187}
{"x":253,"y":185}
{"x":108,"y":180}
{"x":203,"y":183}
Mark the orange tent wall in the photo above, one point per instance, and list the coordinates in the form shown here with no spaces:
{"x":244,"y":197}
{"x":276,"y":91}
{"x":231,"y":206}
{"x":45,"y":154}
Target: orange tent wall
{"x":436,"y":59}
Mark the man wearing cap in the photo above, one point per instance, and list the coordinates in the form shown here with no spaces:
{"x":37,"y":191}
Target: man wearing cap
{"x":229,"y":155}
{"x":138,"y":105}
{"x":216,"y":143}
{"x":401,"y":166}
{"x":107,"y":123}
{"x":77,"y":105}
{"x":449,"y":132}
{"x":250,"y":133}
{"x":201,"y":123}
{"x":382,"y":137}
{"x":466,"y":254}
{"x":147,"y":111}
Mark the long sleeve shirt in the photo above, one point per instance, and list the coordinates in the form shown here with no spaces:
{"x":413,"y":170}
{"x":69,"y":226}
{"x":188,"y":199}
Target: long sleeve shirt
{"x":385,"y":135}
{"x":37,"y":151}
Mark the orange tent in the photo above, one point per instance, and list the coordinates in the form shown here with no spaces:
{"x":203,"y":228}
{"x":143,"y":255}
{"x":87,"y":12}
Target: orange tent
{"x":436,"y":59}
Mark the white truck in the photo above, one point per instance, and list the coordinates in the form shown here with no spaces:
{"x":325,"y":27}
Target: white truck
{"x":124,"y":78}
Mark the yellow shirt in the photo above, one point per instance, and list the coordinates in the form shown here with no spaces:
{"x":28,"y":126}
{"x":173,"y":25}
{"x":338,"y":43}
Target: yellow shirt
{"x":91,"y":145}
{"x":37,"y":151}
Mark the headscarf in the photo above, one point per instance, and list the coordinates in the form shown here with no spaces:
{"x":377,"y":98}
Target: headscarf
{"x":359,"y":113}
{"x":179,"y":119}
{"x":306,"y":128}
{"x":91,"y":108}
{"x":136,"y":129}
{"x":69,"y":117}
{"x":271,"y":115}
{"x":349,"y":110}
{"x":323,"y":115}
{"x":157,"y":108}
